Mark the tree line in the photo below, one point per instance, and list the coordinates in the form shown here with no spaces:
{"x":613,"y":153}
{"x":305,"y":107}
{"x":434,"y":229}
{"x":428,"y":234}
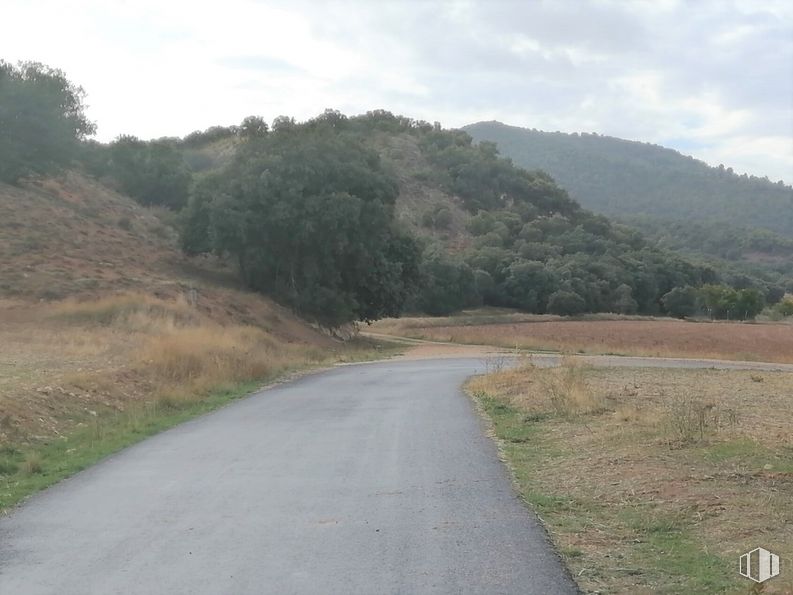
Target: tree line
{"x":307,"y":211}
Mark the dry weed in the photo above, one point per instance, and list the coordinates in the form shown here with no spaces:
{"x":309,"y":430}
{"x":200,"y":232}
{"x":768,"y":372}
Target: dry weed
{"x":131,"y":311}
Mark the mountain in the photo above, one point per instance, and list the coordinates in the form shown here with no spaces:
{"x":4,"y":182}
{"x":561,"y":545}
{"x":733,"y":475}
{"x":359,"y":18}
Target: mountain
{"x":623,"y":178}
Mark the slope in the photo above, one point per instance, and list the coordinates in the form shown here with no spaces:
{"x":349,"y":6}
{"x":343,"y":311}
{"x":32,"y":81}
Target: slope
{"x":108,"y":333}
{"x":619,"y":177}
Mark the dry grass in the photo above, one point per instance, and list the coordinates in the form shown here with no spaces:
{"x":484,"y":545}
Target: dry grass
{"x":562,"y":390}
{"x":645,"y":337}
{"x":63,"y":363}
{"x":134,"y":312}
{"x":187,"y":364}
{"x":662,"y":479}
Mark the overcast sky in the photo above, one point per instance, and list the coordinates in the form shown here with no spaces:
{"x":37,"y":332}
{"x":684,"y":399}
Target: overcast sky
{"x":711,"y":79}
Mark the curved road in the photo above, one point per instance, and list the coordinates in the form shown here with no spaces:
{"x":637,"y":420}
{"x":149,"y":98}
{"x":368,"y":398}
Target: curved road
{"x":375,"y":478}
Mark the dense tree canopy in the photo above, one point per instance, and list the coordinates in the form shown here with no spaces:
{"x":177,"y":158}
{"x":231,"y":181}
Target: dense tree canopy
{"x":153,"y":172}
{"x":308,"y":214}
{"x":42,"y":120}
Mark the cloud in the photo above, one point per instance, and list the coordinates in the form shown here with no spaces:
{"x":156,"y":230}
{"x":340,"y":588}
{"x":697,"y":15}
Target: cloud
{"x":713,"y":78}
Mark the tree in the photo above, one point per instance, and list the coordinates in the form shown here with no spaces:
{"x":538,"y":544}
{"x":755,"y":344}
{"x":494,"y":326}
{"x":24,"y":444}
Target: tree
{"x":528,"y":285}
{"x":681,"y":301}
{"x":447,"y":284}
{"x":253,"y":127}
{"x":565,"y":303}
{"x":785,"y":307}
{"x":42,"y":120}
{"x":308,"y":215}
{"x":623,"y":300}
{"x":439,"y":217}
{"x":774,"y":294}
{"x":749,"y":303}
{"x":153,"y":173}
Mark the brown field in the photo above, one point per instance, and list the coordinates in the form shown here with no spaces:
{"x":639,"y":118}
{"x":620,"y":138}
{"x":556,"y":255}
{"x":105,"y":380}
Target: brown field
{"x":770,"y":342}
{"x":651,"y":480}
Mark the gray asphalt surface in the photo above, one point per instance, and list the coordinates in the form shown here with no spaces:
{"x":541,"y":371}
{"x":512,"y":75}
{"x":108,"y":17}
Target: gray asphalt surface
{"x":375,"y":478}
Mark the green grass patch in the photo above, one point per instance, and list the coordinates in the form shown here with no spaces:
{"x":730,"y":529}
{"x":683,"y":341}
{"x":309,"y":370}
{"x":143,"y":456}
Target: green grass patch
{"x":747,"y":454}
{"x":39,"y":466}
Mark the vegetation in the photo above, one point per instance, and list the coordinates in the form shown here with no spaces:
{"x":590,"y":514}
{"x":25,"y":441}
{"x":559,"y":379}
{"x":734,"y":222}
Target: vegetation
{"x":619,"y":177}
{"x":739,"y":225}
{"x":154,"y":173}
{"x":41,"y":119}
{"x":328,"y":181}
{"x":311,"y":215}
{"x":647,"y":479}
{"x":308,"y":215}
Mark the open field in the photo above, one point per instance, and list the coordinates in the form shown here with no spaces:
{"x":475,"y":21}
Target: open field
{"x":651,"y":480}
{"x":652,"y":337}
{"x":79,"y":379}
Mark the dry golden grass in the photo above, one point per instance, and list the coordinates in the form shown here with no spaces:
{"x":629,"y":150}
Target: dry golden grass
{"x":661,"y":479}
{"x":649,"y":337}
{"x":131,"y":311}
{"x":188,"y":363}
{"x":561,"y":390}
{"x":63,"y":361}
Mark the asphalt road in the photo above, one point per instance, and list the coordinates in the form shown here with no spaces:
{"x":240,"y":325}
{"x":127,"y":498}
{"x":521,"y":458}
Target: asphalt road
{"x":375,"y":478}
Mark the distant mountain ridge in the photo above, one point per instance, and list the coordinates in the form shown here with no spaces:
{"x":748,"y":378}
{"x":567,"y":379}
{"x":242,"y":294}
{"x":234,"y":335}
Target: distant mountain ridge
{"x":622,"y":178}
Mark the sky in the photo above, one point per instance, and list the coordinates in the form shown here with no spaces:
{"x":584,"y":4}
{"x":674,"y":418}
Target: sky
{"x":712,"y":79}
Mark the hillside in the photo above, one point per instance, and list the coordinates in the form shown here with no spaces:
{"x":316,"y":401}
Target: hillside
{"x":489,"y":233}
{"x":621,"y":178}
{"x":105,"y":323}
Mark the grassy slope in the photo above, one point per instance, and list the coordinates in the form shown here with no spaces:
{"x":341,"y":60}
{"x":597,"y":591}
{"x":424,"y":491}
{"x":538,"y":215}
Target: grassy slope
{"x":108,"y":333}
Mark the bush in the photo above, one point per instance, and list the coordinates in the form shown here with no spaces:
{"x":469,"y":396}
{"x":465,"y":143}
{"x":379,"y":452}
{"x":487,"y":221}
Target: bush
{"x":565,"y":303}
{"x":438,"y":218}
{"x":785,"y":307}
{"x":153,"y":173}
{"x":681,"y":301}
{"x":447,"y":285}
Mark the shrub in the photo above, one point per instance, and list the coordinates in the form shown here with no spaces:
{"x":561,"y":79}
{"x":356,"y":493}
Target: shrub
{"x":681,"y":301}
{"x":566,"y":303}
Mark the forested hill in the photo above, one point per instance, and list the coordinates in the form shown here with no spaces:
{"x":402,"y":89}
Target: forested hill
{"x":619,"y":177}
{"x":357,"y":218}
